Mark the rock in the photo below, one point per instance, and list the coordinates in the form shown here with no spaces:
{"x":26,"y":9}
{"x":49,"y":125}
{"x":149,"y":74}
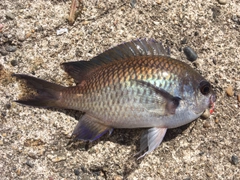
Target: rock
{"x":238,"y":97}
{"x":57,"y":158}
{"x":29,"y":164}
{"x":184,"y":41}
{"x":117,"y":177}
{"x":206,"y":125}
{"x":76,"y":172}
{"x":229,"y":91}
{"x":3,"y":52}
{"x":206,"y":114}
{"x":133,"y":3}
{"x":222,"y":2}
{"x":10,"y":48}
{"x":10,"y":16}
{"x":190,"y":53}
{"x":234,"y":160}
{"x":14,"y":62}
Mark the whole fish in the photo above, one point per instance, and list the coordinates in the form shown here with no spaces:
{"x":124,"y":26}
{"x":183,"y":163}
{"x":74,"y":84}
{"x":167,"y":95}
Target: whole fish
{"x":133,"y":85}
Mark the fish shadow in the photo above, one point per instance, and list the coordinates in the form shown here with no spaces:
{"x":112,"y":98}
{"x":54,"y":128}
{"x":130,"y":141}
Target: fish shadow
{"x":126,"y":137}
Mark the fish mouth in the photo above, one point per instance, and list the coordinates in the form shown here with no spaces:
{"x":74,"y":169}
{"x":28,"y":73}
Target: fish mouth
{"x":213,"y":99}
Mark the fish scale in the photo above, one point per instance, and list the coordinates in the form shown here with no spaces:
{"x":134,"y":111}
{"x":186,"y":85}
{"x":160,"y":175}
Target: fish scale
{"x":133,"y":85}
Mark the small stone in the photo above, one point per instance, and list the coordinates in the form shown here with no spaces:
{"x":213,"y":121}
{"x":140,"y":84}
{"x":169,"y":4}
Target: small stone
{"x":18,"y":172}
{"x":238,"y":97}
{"x":29,"y":164}
{"x":58,"y":158}
{"x":234,"y":160}
{"x":3,"y":52}
{"x":84,"y":169}
{"x":76,"y":172}
{"x":184,"y":41}
{"x":14,"y":62}
{"x":10,"y":48}
{"x":1,"y":142}
{"x":206,"y":125}
{"x":10,"y":16}
{"x":222,"y":2}
{"x":229,"y":91}
{"x":117,"y":177}
{"x":214,"y":61}
{"x":190,"y":53}
{"x":235,"y":18}
{"x":132,"y":3}
{"x":205,"y":114}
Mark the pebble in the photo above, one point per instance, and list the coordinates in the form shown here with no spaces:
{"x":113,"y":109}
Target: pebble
{"x":229,"y":91}
{"x":206,"y":125}
{"x":10,"y":48}
{"x":14,"y":62}
{"x":222,"y":2}
{"x":57,"y":158}
{"x":184,"y":41}
{"x":235,"y":18}
{"x":29,"y":164}
{"x":238,"y":97}
{"x":76,"y":172}
{"x":132,"y":3}
{"x":190,"y":53}
{"x":205,"y":114}
{"x":234,"y":160}
{"x":10,"y":16}
{"x":3,"y":52}
{"x":18,"y":172}
{"x":62,"y":31}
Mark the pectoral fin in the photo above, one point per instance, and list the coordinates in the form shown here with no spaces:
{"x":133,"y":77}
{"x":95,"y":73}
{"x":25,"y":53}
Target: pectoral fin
{"x":89,"y":129}
{"x":158,"y":100}
{"x":151,"y":140}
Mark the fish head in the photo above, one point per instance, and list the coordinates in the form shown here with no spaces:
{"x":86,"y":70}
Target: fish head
{"x":205,"y":97}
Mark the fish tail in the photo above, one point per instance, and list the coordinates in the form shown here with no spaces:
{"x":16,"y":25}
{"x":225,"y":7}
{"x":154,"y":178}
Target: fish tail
{"x":40,"y":93}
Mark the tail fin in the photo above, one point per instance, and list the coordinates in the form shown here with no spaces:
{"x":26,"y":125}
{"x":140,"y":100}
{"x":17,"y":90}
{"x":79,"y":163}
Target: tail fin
{"x":44,"y":94}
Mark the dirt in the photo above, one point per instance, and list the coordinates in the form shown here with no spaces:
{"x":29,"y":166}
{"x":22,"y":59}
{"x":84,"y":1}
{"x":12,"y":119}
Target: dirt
{"x":35,"y":142}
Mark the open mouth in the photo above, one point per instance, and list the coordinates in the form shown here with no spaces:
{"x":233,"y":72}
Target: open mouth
{"x":213,"y":98}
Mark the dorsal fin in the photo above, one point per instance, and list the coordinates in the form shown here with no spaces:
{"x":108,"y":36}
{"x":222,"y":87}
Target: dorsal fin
{"x":80,"y":70}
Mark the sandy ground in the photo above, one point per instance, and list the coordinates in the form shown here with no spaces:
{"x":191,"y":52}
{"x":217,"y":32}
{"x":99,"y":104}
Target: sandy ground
{"x":35,"y":143}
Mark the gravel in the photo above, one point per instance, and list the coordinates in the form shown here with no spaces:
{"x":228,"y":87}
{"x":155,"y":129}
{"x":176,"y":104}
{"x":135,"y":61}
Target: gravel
{"x":200,"y":150}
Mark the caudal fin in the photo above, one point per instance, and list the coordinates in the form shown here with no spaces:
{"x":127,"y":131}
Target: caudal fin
{"x":43,"y":94}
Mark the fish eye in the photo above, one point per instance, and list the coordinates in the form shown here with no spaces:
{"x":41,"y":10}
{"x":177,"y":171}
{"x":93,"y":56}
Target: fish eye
{"x":205,"y":87}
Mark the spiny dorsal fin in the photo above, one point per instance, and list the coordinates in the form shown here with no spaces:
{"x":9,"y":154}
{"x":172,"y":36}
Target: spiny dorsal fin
{"x":80,"y":70}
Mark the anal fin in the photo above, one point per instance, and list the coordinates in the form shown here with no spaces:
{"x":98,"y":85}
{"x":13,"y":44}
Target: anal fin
{"x":151,"y":139}
{"x":89,"y":129}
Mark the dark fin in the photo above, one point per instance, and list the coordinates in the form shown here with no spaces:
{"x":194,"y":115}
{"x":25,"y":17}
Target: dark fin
{"x":89,"y":129}
{"x":45,"y":94}
{"x":140,"y":47}
{"x":165,"y":103}
{"x":80,"y":70}
{"x":151,"y":139}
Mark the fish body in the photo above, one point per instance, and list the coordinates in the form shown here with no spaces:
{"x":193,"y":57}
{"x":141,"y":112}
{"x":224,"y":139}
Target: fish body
{"x":134,"y":85}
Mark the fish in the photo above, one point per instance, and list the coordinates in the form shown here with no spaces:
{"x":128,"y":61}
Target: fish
{"x":133,"y":85}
